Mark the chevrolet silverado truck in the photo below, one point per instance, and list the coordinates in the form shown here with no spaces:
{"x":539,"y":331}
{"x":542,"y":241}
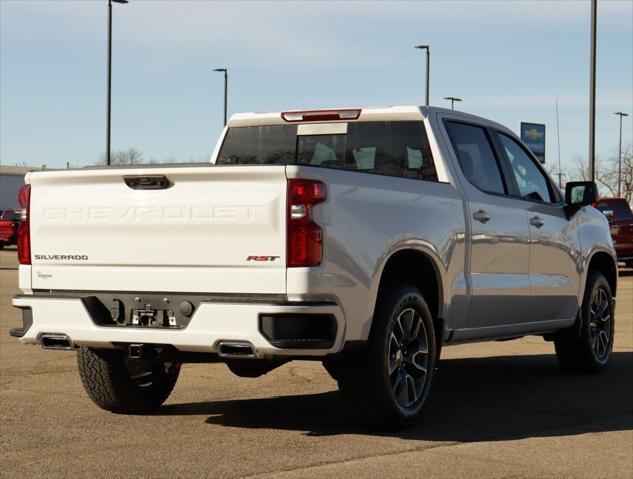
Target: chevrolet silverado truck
{"x":364,"y":238}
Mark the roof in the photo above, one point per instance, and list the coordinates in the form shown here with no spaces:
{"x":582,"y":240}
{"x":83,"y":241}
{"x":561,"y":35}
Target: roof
{"x":368,"y":113}
{"x":17,"y":170}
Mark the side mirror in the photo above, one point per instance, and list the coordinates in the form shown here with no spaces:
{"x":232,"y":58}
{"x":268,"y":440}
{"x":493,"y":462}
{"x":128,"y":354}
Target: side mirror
{"x":579,"y":194}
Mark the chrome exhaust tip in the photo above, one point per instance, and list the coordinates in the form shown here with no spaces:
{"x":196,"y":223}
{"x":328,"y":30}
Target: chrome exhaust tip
{"x":55,"y":341}
{"x":237,"y":349}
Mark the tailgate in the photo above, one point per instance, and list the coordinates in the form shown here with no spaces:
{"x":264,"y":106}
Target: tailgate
{"x":213,"y":230}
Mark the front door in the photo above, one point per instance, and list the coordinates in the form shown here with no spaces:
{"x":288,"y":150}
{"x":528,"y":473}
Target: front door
{"x":554,"y":241}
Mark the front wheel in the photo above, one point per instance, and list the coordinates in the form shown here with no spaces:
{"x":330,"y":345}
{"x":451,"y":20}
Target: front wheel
{"x":387,"y":383}
{"x":118,"y":384}
{"x":587,"y":346}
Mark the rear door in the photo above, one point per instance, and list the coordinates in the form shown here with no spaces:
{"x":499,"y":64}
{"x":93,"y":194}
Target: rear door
{"x":499,"y":235}
{"x":208,"y":229}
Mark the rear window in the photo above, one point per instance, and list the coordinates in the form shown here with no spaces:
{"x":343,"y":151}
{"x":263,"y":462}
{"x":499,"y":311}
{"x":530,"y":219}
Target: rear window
{"x":398,"y":148}
{"x":259,"y":145}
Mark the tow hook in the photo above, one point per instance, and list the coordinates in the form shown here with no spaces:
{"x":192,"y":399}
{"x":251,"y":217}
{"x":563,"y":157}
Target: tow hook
{"x":135,"y":351}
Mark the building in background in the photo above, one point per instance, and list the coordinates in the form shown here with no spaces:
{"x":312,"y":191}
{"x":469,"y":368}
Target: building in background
{"x":11,"y":178}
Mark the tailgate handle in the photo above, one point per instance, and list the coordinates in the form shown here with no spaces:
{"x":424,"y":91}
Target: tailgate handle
{"x":153,"y":182}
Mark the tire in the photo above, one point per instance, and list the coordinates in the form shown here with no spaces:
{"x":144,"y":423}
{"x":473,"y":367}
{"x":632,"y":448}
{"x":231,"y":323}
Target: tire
{"x":125,"y":386}
{"x":586,"y":347}
{"x":386,"y":384}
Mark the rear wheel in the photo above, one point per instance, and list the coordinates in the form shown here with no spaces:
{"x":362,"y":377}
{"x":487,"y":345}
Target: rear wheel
{"x":387,"y":383}
{"x":121,"y":385}
{"x":587,"y":346}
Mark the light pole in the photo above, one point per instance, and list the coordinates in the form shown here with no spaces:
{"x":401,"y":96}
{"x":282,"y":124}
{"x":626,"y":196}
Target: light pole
{"x":109,"y":113}
{"x":428,"y":68}
{"x":226,"y":88}
{"x":621,"y":115}
{"x":560,"y":172}
{"x":453,"y":99}
{"x":592,"y":93}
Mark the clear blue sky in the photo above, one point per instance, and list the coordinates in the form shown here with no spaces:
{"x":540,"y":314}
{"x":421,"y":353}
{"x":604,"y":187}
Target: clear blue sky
{"x":508,"y":60}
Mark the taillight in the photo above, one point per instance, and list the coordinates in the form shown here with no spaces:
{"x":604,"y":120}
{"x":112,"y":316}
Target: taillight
{"x":24,"y":231}
{"x":305,"y":237}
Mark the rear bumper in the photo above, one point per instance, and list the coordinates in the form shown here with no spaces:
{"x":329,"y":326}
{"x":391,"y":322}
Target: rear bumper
{"x":212,"y":323}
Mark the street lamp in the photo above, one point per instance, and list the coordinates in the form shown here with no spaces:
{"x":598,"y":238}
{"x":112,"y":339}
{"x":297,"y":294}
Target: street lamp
{"x":109,"y":113}
{"x":453,"y":99}
{"x":621,"y":115}
{"x":428,"y":68}
{"x":226,"y":88}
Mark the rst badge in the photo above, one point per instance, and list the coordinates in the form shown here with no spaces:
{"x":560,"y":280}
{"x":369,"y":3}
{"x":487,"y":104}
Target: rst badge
{"x":262,"y":258}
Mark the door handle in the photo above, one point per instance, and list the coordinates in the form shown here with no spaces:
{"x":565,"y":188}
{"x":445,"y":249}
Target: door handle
{"x":537,"y":221}
{"x":481,"y":216}
{"x":152,"y":182}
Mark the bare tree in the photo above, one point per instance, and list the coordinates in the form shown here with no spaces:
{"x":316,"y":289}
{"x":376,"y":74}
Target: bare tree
{"x":608,"y":178}
{"x":627,"y":173}
{"x":607,"y":173}
{"x":131,"y":156}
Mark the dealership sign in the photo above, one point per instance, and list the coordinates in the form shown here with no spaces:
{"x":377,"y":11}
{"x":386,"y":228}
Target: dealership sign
{"x":533,"y":135}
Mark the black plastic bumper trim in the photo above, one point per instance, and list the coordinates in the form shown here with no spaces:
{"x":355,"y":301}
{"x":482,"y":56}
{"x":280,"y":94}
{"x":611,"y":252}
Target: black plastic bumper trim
{"x":299,"y":330}
{"x":27,"y":322}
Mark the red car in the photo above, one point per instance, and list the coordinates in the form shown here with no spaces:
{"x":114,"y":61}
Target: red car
{"x":620,"y":217}
{"x":9,"y":222}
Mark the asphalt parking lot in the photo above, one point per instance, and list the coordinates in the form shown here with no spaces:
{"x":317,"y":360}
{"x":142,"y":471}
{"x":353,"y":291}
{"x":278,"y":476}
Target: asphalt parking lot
{"x":500,"y":409}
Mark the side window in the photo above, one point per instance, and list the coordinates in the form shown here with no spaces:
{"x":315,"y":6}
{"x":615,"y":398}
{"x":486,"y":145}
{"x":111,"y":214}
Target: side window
{"x":392,"y":148}
{"x":532,"y":182}
{"x":476,"y":157}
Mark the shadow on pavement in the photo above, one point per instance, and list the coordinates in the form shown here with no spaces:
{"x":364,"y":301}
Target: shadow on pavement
{"x":509,"y":397}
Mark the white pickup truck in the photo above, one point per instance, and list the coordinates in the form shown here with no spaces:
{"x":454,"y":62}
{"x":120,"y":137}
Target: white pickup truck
{"x":362,"y":238}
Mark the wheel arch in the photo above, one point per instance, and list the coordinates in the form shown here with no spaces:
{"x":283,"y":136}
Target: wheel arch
{"x":605,"y":263}
{"x":421,"y":269}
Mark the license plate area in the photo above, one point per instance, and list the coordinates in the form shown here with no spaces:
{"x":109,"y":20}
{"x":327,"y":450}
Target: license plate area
{"x":153,"y":318}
